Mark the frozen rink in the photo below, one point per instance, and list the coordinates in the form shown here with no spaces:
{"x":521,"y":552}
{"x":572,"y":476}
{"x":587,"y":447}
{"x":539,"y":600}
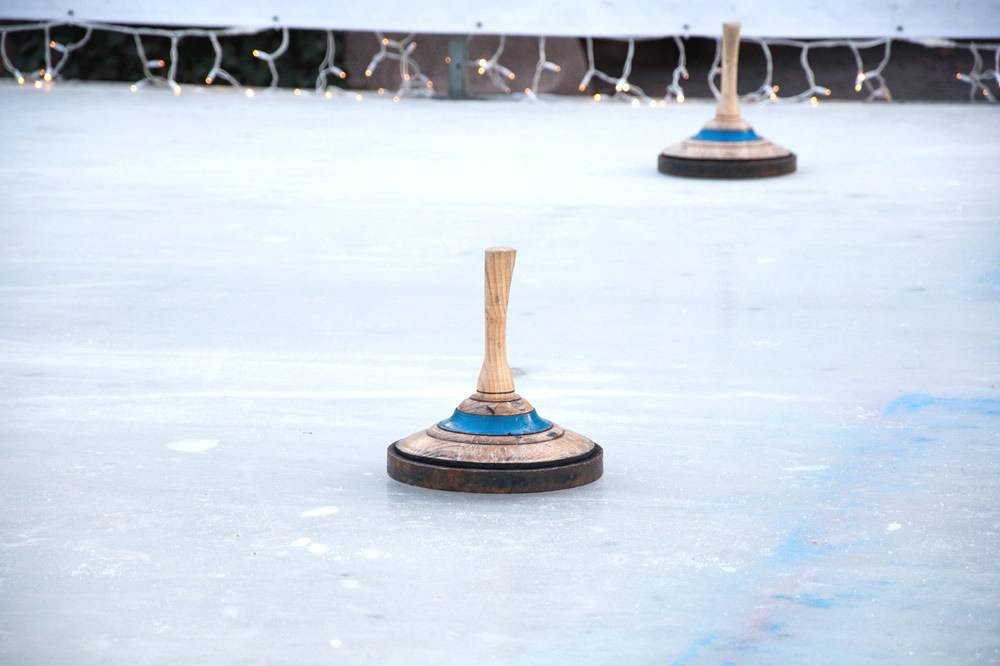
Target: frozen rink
{"x":216,"y":313}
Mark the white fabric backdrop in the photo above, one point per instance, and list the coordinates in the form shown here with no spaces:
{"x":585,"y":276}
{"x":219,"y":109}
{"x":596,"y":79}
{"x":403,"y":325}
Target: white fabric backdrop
{"x":782,"y":18}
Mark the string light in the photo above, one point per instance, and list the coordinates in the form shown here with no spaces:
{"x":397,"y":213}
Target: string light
{"x":269,"y":58}
{"x":327,"y":67}
{"x":543,"y":65}
{"x":981,"y":80}
{"x":623,"y":88}
{"x":492,"y":69}
{"x":977,"y":78}
{"x":412,"y":80}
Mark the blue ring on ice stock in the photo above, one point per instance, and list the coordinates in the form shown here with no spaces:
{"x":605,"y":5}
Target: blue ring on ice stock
{"x":726,"y":135}
{"x":482,"y":424}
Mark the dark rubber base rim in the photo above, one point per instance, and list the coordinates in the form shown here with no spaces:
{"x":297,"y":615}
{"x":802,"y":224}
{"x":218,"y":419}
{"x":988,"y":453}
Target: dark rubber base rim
{"x":696,"y":168}
{"x":521,"y":479}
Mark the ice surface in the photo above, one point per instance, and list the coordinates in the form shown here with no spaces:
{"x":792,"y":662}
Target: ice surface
{"x":218,"y":311}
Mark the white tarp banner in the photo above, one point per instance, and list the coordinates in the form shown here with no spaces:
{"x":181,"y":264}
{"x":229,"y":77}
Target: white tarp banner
{"x":609,"y":18}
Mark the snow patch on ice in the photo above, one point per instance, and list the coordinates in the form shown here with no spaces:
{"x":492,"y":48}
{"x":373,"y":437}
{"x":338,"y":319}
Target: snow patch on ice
{"x":805,"y":468}
{"x":336,"y":642}
{"x":318,"y":549}
{"x":893,"y":526}
{"x":301,"y":542}
{"x":350,"y":584}
{"x":193,"y":445}
{"x":320,"y":511}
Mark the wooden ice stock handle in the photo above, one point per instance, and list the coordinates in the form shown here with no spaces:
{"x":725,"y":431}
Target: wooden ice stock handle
{"x":729,"y":103}
{"x":495,"y":379}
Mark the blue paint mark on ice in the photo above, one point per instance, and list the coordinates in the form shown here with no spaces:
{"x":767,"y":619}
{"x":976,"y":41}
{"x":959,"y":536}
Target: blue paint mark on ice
{"x":816,"y":601}
{"x":811,"y":600}
{"x":772,"y":627}
{"x":692,"y":651}
{"x":914,"y":402}
{"x":797,"y":547}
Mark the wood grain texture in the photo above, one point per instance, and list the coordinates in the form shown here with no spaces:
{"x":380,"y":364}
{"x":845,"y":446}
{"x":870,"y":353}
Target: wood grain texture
{"x":729,"y":103}
{"x":512,"y":407}
{"x":726,"y":150}
{"x":552,"y":445}
{"x":495,"y":379}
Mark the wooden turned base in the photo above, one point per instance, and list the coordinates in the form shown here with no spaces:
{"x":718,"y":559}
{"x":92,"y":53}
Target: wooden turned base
{"x":689,"y":167}
{"x":507,"y":478}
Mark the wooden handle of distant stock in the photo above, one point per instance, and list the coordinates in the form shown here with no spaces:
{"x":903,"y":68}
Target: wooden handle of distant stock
{"x":729,"y":103}
{"x":495,"y":379}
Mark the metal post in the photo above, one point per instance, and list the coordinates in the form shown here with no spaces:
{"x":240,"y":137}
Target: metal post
{"x":458,"y":53}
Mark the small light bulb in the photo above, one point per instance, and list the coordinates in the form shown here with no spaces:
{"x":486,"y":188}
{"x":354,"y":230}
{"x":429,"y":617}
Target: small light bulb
{"x":861,"y":77}
{"x":328,"y":94}
{"x":358,"y":97}
{"x":47,"y":77}
{"x":685,"y":76}
{"x":447,"y":60}
{"x":38,"y":84}
{"x":958,"y":76}
{"x":635,"y":103}
{"x":480,"y":71}
{"x":133,"y":88}
{"x":406,"y":77}
{"x":557,"y":68}
{"x":396,"y":98}
{"x":368,"y":72}
{"x":775,"y":88}
{"x":249,"y":92}
{"x":618,"y":87}
{"x":814,"y":100}
{"x":208,"y":80}
{"x":52,"y":44}
{"x":381,"y":91}
{"x":385,"y":41}
{"x":177,"y":90}
{"x":430,"y":84}
{"x":581,"y":87}
{"x":626,"y":87}
{"x":255,"y":53}
{"x":652,"y":103}
{"x":857,"y":87}
{"x":161,"y":63}
{"x":680,"y":98}
{"x":342,"y":74}
{"x":297,"y":92}
{"x":482,"y":62}
{"x":597,"y":97}
{"x":511,"y":76}
{"x":20,"y":80}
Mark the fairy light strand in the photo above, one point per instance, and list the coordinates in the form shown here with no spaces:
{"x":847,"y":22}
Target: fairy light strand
{"x":980,"y":79}
{"x":623,"y":87}
{"x":543,"y":65}
{"x":328,"y":67}
{"x":492,"y":69}
{"x":412,"y":81}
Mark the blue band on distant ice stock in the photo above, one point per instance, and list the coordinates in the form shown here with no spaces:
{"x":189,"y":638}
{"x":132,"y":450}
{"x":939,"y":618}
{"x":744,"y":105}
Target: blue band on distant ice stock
{"x":726,"y":135}
{"x":482,"y":424}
